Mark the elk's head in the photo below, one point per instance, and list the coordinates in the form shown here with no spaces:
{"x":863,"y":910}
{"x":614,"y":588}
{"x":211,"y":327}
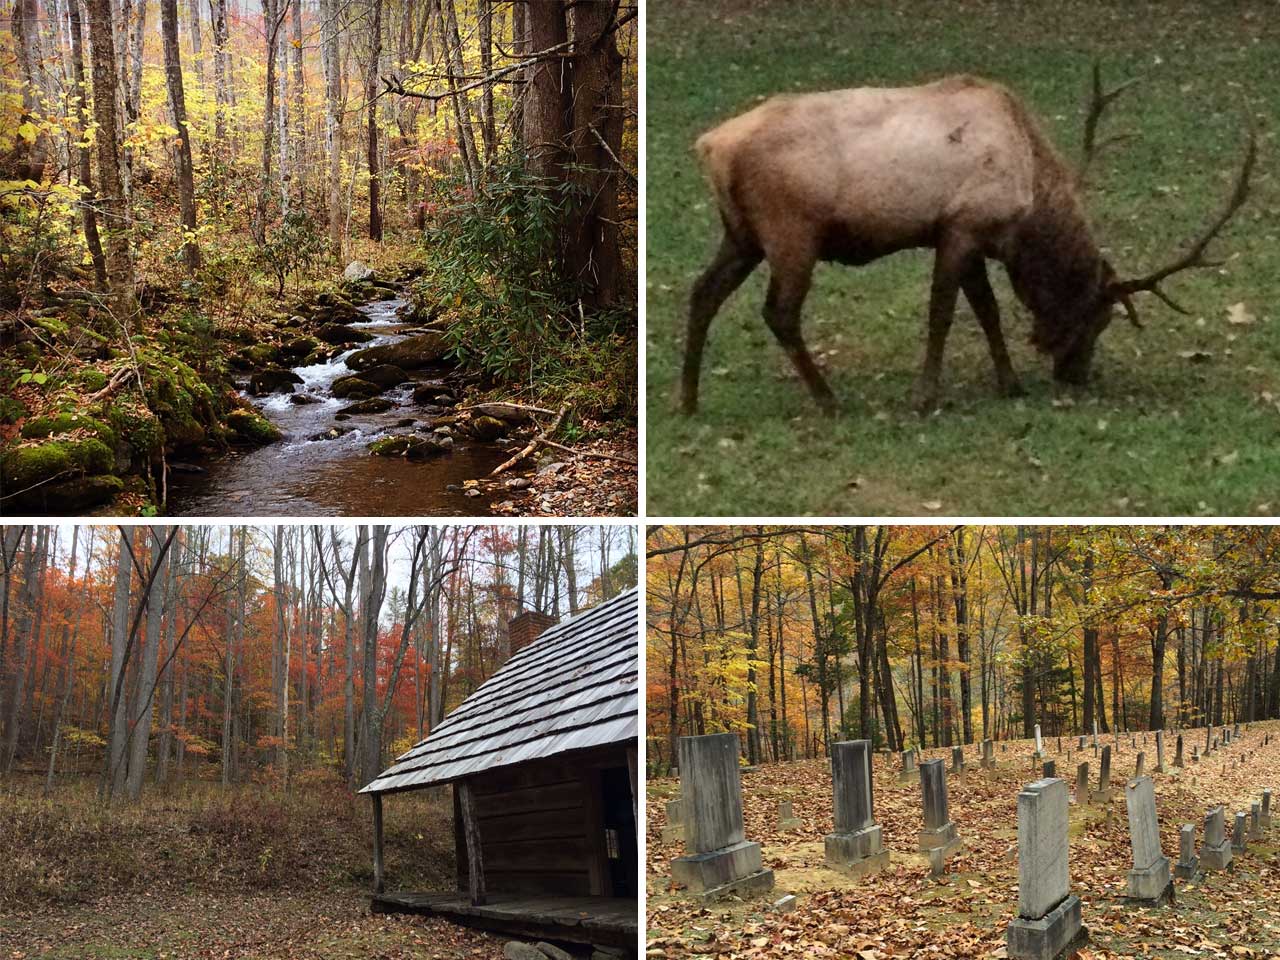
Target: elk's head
{"x":1096,"y":297}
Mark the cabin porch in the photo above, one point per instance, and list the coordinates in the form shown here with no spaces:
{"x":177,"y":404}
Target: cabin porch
{"x":601,"y":921}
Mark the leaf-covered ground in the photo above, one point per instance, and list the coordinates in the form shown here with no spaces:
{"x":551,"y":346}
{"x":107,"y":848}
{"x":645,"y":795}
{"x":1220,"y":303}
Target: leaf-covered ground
{"x":202,"y":873}
{"x":1182,"y":417}
{"x":905,"y":912}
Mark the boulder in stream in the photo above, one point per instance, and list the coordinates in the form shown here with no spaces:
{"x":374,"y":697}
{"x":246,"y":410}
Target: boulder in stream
{"x":355,"y":388}
{"x":250,"y":426}
{"x":409,"y":447}
{"x":372,"y":405}
{"x":409,"y":353}
{"x":341,"y":336}
{"x":273,"y":380}
{"x":487,"y":428}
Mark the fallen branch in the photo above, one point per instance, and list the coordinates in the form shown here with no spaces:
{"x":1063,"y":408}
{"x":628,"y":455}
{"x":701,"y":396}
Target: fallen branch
{"x":532,"y":445}
{"x":588,"y":453}
{"x":117,"y":378}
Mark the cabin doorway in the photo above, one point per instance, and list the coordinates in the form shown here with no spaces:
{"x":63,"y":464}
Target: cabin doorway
{"x":619,"y":831}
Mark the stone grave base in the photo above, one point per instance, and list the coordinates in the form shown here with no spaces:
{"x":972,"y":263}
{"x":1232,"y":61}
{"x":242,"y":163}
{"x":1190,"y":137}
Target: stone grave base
{"x":789,"y":824}
{"x":1187,"y":871}
{"x":1058,"y":935}
{"x":1151,"y":886}
{"x":857,"y":854}
{"x":672,"y":833}
{"x":987,"y":764}
{"x":755,"y":885}
{"x":716,"y":871}
{"x":1216,"y":858}
{"x":944,"y":839}
{"x":1103,"y":797}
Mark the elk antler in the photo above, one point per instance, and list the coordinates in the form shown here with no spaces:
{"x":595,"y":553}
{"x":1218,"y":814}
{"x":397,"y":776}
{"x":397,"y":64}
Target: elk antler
{"x":1098,"y":104}
{"x":1194,"y":257}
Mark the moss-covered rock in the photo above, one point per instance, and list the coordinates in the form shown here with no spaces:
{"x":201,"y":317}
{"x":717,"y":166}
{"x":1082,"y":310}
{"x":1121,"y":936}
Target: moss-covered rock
{"x":70,"y":497}
{"x":273,"y":380}
{"x":341,"y":336}
{"x":411,"y":448}
{"x":34,"y":463}
{"x":250,"y":426}
{"x":298,"y":348}
{"x":487,"y":428}
{"x":355,"y":388}
{"x":50,"y":425}
{"x":256,"y":356}
{"x":91,"y":379}
{"x":372,"y":405}
{"x":11,"y":410}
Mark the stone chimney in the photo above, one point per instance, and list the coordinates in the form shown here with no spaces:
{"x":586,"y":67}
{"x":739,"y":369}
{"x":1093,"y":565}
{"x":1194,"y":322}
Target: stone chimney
{"x":526,"y":628}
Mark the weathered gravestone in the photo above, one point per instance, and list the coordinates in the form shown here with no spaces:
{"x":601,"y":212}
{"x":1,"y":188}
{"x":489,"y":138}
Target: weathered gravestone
{"x":1082,"y":783}
{"x":1255,"y":822}
{"x":1239,"y":838}
{"x":1104,"y":792}
{"x":855,"y":847}
{"x":1177,"y":754}
{"x":1188,"y":864}
{"x":939,"y":832}
{"x":1216,"y":854}
{"x":720,"y":860}
{"x":988,"y":761}
{"x":1139,"y":764}
{"x":1160,"y":767}
{"x":1195,"y":753}
{"x":1080,"y":743}
{"x":1266,"y":809}
{"x":957,"y":760}
{"x":787,"y":820}
{"x":1049,"y":770}
{"x":908,"y":771}
{"x":674,"y":830}
{"x":1039,"y":744}
{"x":1150,"y":883}
{"x":1048,"y":925}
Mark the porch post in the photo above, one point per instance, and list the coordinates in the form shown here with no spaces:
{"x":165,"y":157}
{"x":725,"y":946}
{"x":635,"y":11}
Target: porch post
{"x":377,"y":842}
{"x":633,"y":771}
{"x":471,"y":831}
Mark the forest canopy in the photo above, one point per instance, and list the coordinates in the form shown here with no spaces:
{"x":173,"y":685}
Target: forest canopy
{"x":160,"y":654}
{"x":936,"y":636}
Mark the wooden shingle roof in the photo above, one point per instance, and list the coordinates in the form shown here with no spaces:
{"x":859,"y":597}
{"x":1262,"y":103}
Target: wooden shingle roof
{"x":576,"y":686}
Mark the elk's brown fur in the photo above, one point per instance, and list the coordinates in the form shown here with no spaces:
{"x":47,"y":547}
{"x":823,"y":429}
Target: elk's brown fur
{"x":958,"y":165}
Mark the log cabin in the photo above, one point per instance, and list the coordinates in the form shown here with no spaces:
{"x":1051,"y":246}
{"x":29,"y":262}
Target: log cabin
{"x":542,"y":761}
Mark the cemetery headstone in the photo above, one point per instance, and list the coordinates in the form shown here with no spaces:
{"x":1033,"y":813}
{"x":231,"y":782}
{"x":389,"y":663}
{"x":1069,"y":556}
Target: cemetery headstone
{"x":856,"y":846}
{"x":1039,"y":744}
{"x":1141,"y":762}
{"x":1177,"y":753}
{"x":908,"y":771}
{"x":1239,"y":837}
{"x":939,"y":831}
{"x":719,"y":860}
{"x":1150,"y":883}
{"x":1050,"y":770}
{"x":957,"y":759}
{"x":988,"y":761}
{"x":1104,"y":793}
{"x":1160,"y":767}
{"x":1048,"y":924}
{"x":674,"y":830}
{"x":1216,"y":854}
{"x":787,"y":820}
{"x":1266,"y":809}
{"x":1255,"y":821}
{"x":1188,"y":863}
{"x":1082,"y":783}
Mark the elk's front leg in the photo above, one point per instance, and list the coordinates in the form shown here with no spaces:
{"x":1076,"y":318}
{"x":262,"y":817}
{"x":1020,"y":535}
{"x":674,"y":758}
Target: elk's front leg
{"x":977,"y":290}
{"x":787,"y":289}
{"x":948,"y":267}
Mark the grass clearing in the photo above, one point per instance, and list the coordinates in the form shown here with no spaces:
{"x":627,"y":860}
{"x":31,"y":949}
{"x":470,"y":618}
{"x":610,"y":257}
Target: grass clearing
{"x":1182,"y":417}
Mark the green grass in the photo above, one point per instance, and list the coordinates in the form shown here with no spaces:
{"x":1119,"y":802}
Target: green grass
{"x":1158,"y":432}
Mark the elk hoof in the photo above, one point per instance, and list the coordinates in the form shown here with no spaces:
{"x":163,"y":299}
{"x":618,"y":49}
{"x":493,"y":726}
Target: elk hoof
{"x":924,"y":398}
{"x":686,"y":405}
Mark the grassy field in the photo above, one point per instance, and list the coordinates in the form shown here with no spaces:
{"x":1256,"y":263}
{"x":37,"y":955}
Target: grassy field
{"x":1182,"y":417}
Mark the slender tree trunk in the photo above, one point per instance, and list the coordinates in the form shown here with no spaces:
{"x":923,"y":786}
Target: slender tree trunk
{"x":178,"y":107}
{"x":371,"y":93}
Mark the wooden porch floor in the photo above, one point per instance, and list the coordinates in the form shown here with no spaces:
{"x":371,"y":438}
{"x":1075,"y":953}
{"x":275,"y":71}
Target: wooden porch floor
{"x":604,"y":921}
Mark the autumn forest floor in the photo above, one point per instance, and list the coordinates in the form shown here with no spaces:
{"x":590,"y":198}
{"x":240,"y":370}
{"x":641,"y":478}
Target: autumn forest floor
{"x":1181,"y":418}
{"x":197,"y":873}
{"x":904,"y":912}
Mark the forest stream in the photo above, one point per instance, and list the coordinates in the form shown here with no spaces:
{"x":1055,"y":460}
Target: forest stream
{"x":322,"y":466}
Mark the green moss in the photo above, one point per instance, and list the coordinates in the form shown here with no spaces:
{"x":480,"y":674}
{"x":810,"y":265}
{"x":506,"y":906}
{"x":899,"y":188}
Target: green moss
{"x":260,"y":354}
{"x":91,"y":379}
{"x":137,"y":426}
{"x":29,"y":465}
{"x":65,"y":422}
{"x":11,"y":410}
{"x":251,"y":426}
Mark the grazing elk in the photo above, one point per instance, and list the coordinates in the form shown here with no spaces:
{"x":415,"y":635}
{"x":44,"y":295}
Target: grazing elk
{"x":959,"y":166}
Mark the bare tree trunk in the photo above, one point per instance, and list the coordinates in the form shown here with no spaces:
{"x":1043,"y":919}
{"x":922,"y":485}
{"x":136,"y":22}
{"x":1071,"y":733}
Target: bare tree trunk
{"x":451,"y":43}
{"x":119,"y":722}
{"x":371,"y":94}
{"x":88,"y":205}
{"x":178,"y":107}
{"x":270,"y":27}
{"x":111,"y":202}
{"x":488,"y":127}
{"x":140,"y":734}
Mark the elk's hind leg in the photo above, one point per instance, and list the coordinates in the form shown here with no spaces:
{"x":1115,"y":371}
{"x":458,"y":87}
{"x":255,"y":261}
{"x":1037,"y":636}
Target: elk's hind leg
{"x":977,"y":290}
{"x":732,"y":265}
{"x":788,"y":286}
